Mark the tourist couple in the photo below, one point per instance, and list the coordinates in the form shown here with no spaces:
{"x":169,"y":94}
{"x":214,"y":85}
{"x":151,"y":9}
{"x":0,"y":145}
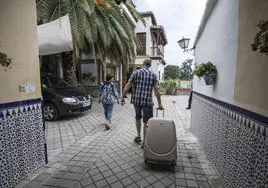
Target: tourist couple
{"x":143,"y":82}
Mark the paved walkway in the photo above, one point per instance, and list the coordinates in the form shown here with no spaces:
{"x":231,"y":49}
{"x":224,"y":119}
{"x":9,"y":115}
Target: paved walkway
{"x":83,"y":154}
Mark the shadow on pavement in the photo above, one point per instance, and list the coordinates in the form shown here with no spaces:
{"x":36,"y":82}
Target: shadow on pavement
{"x":158,"y":167}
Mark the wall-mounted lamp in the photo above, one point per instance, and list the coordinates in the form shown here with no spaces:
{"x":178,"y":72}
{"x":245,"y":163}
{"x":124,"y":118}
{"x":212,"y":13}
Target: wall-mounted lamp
{"x":184,"y":43}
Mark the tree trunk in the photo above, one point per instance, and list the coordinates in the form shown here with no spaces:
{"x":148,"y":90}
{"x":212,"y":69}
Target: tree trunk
{"x":69,"y":68}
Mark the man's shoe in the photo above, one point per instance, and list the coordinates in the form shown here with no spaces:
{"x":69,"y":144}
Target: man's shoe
{"x":137,"y":139}
{"x":188,"y":108}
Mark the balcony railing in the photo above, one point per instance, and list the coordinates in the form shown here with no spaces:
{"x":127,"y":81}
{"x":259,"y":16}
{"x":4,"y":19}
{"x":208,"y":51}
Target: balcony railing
{"x":157,"y":51}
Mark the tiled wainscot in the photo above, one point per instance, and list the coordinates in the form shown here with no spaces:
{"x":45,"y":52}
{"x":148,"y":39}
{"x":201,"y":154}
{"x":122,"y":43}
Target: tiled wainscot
{"x":234,"y":139}
{"x":22,"y":149}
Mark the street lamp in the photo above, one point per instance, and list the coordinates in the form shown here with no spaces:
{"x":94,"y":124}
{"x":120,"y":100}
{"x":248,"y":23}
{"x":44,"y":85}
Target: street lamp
{"x":184,"y":43}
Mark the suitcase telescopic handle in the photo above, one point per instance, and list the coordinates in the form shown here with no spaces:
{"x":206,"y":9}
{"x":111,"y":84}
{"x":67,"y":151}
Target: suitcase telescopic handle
{"x":162,"y":110}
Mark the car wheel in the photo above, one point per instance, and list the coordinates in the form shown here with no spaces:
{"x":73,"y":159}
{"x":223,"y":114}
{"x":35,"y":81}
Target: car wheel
{"x":50,"y":112}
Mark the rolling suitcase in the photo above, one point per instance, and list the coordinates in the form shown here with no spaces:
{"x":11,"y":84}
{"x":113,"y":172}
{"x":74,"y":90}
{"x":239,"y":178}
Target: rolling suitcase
{"x":160,"y":142}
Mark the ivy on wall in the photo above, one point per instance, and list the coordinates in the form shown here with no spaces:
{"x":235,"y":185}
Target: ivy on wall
{"x":5,"y":61}
{"x":261,"y":38}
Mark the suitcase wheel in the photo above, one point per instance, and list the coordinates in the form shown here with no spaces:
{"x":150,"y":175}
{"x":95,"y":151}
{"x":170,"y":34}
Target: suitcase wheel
{"x":174,"y":163}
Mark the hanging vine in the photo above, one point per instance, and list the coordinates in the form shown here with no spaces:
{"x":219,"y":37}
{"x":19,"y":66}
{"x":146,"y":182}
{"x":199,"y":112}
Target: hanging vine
{"x":5,"y":61}
{"x":261,"y":38}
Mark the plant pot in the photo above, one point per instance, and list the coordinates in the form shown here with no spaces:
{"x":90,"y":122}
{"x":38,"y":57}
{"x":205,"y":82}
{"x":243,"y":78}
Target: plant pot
{"x":210,"y":79}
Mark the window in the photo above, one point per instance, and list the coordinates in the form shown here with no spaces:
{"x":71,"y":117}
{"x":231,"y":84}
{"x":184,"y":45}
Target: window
{"x":141,"y":50}
{"x":89,"y":72}
{"x":111,"y":70}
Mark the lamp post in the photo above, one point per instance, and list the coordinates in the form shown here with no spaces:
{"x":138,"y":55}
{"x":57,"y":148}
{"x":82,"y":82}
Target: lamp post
{"x":184,"y":43}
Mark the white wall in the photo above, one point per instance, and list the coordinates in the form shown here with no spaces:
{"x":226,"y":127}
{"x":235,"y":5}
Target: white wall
{"x":18,"y":39}
{"x":156,"y":67}
{"x":251,"y":75}
{"x":139,"y":60}
{"x":161,"y":69}
{"x":218,"y":44}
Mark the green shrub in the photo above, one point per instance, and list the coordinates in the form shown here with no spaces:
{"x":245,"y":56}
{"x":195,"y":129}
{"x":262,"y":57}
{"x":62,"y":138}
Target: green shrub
{"x":162,"y":88}
{"x":169,"y":87}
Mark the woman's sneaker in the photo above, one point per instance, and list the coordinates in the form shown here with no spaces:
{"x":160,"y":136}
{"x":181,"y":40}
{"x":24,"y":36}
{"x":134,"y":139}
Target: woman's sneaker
{"x":107,"y":126}
{"x":137,"y":139}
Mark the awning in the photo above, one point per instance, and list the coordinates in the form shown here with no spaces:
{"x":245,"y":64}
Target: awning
{"x":55,"y":37}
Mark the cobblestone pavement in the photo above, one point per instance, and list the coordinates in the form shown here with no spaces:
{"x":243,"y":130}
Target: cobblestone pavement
{"x":83,"y":154}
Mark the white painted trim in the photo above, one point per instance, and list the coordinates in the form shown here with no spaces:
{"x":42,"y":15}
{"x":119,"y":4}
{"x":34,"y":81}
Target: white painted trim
{"x":129,"y":15}
{"x":210,"y":5}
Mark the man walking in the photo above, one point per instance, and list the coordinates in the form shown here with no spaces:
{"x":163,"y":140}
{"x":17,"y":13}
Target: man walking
{"x":143,"y":81}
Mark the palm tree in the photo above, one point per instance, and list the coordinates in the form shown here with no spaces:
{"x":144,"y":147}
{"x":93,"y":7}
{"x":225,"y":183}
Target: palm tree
{"x":98,"y":27}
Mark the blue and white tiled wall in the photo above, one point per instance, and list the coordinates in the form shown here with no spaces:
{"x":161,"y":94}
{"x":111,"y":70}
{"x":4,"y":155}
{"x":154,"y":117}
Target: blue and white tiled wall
{"x":234,"y":139}
{"x":21,"y":140}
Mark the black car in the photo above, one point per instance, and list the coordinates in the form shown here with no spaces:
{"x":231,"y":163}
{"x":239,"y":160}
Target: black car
{"x":61,"y":99}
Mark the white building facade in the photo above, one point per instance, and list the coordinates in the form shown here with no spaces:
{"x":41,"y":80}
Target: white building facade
{"x":153,"y":40}
{"x":230,"y":118}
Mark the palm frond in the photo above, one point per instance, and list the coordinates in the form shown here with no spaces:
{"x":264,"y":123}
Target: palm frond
{"x":88,"y":6}
{"x":100,"y":29}
{"x":47,"y":10}
{"x":103,"y":26}
{"x":41,"y":9}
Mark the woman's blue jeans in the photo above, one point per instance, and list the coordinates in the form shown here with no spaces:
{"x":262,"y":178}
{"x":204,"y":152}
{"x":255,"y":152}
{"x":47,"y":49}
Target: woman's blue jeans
{"x":108,"y":111}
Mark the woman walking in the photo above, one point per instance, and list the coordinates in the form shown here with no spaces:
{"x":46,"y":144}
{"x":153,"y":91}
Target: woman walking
{"x":108,"y":96}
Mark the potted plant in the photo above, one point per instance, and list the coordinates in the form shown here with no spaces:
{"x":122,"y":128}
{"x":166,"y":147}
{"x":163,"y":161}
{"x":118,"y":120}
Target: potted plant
{"x":208,"y":71}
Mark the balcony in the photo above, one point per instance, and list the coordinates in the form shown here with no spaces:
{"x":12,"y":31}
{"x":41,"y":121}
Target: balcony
{"x":156,"y":51}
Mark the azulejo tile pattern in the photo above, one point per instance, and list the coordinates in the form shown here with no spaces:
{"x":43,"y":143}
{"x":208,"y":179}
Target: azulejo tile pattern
{"x":21,"y":140}
{"x":234,"y":142}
